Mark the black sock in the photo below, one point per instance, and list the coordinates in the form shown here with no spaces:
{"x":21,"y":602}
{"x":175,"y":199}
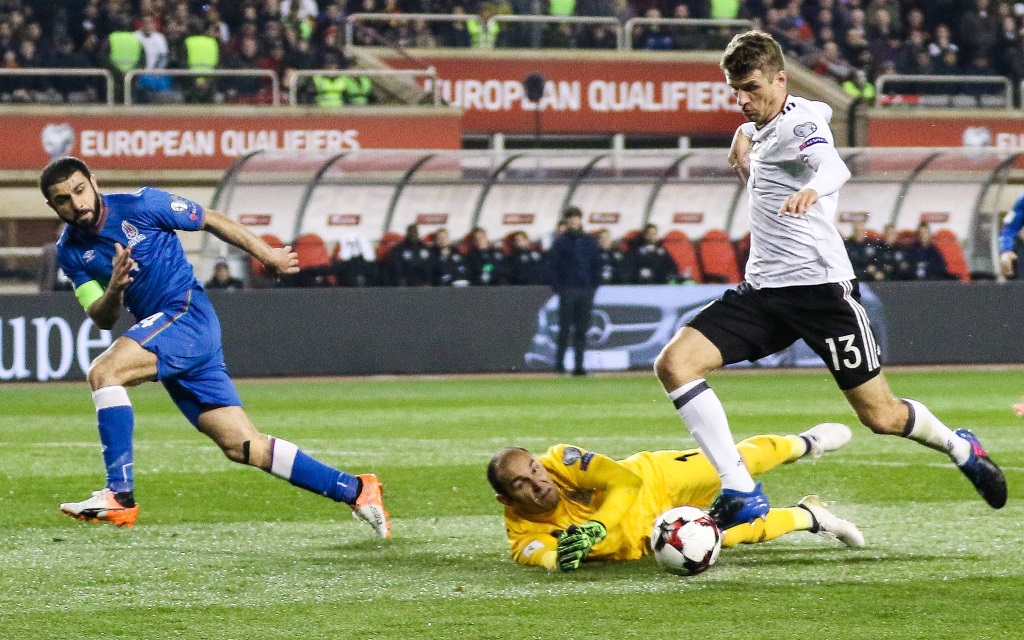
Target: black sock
{"x":125,"y":498}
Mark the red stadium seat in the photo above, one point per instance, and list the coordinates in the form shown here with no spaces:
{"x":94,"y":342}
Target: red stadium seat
{"x":314,"y":260}
{"x":386,"y":243}
{"x":718,"y":257}
{"x":743,"y":253}
{"x":256,"y":267}
{"x":906,"y":237}
{"x":628,"y":240}
{"x":678,"y":245}
{"x":947,"y":244}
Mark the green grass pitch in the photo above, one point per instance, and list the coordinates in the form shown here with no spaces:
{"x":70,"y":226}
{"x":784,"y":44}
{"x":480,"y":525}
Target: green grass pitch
{"x":221,"y":551}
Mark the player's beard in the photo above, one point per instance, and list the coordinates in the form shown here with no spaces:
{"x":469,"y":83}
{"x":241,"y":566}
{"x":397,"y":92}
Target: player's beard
{"x":97,"y":209}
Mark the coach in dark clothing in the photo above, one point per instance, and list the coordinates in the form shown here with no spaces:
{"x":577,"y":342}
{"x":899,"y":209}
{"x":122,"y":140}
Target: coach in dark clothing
{"x":574,"y":271}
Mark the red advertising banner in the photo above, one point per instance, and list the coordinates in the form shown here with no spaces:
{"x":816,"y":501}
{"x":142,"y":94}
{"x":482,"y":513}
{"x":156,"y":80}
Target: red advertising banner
{"x":588,"y":95}
{"x":185,"y":139}
{"x":955,"y":129}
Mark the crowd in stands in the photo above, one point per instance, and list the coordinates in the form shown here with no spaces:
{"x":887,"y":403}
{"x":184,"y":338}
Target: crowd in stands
{"x":850,"y":41}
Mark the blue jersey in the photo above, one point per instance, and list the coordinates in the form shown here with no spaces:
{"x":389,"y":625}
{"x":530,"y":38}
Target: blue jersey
{"x":1012,"y":226}
{"x":145,"y":221}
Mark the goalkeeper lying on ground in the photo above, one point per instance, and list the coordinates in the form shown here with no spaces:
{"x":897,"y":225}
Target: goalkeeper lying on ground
{"x":568,"y":504}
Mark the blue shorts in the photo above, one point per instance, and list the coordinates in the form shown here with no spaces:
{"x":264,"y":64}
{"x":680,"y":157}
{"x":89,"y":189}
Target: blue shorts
{"x":185,"y":336}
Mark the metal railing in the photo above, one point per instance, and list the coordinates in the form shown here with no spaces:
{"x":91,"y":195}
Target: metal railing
{"x":275,"y":85}
{"x":632,"y":23}
{"x":402,"y":17}
{"x":430,"y":72}
{"x":64,"y":72}
{"x":1002,"y":83}
{"x":494,"y":22}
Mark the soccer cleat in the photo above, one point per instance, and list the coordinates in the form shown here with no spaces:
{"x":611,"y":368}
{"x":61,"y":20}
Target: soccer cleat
{"x":1019,"y":409}
{"x":829,"y":525}
{"x":369,"y":505}
{"x":825,"y":437}
{"x":733,"y":507}
{"x":102,"y":507}
{"x":984,"y":474}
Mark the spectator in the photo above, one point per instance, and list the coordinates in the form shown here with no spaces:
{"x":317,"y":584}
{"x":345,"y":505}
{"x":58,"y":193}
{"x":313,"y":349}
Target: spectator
{"x":926,"y":258}
{"x":599,"y":36}
{"x":484,"y":263}
{"x":687,"y":38}
{"x":456,"y":33}
{"x":979,"y":30}
{"x":864,"y":254}
{"x":831,"y":63}
{"x":559,"y":36}
{"x":330,"y":85}
{"x":653,"y":36}
{"x":449,"y":266}
{"x":409,"y":261}
{"x":75,"y":89}
{"x":894,"y":259}
{"x":222,"y":278}
{"x":942,"y":43}
{"x":124,"y":49}
{"x":574,"y":271}
{"x":202,"y":53}
{"x":614,"y":266}
{"x":358,"y":89}
{"x":651,"y":263}
{"x":303,"y":9}
{"x":858,"y":87}
{"x":245,"y":89}
{"x":525,"y":263}
{"x":154,"y":46}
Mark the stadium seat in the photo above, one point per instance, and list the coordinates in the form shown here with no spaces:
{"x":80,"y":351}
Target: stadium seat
{"x":256,"y":268}
{"x":314,"y":261}
{"x":742,"y":253}
{"x":386,"y":243}
{"x":906,"y":237}
{"x":718,"y":257}
{"x":678,"y":245}
{"x":948,"y":245}
{"x":630,"y":239}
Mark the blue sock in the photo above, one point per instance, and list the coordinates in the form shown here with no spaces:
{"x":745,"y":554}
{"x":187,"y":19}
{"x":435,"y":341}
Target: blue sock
{"x":286,"y":461}
{"x":116,"y":420}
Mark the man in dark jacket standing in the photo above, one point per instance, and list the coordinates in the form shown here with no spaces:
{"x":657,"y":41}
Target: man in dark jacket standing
{"x":574,"y":271}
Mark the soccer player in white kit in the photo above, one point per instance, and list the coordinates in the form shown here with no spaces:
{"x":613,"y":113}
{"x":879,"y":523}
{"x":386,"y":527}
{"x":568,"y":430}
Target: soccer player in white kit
{"x":799,"y":284}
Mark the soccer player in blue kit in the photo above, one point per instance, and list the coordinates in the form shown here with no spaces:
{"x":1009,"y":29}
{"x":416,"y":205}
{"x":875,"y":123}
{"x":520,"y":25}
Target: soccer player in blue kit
{"x":121,"y":250}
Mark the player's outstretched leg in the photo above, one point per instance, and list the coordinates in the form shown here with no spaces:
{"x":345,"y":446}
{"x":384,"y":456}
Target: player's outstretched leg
{"x":983,"y":473}
{"x":363,"y":493}
{"x":827,"y":524}
{"x":115,"y":503}
{"x":825,"y":437}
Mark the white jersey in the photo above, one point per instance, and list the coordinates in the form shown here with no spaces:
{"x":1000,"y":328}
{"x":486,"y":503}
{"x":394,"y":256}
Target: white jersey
{"x":786,"y":154}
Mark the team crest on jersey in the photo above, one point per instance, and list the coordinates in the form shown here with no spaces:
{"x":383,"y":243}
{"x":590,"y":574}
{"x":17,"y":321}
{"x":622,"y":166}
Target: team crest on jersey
{"x":805,"y":129}
{"x":178,"y":205}
{"x":89,"y":255}
{"x":130,"y":232}
{"x":570,"y":456}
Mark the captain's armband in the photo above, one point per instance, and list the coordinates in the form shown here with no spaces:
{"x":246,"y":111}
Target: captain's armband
{"x":88,"y":293}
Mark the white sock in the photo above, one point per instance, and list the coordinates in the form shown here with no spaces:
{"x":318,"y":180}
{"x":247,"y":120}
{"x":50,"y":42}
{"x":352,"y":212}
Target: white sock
{"x":703,"y":415}
{"x":924,"y":427}
{"x":282,"y":457}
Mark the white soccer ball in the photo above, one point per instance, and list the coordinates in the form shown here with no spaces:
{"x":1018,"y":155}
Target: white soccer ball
{"x":685,"y":541}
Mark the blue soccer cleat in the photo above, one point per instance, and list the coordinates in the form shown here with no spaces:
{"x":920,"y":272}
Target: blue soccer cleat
{"x":733,"y":507}
{"x":984,"y":474}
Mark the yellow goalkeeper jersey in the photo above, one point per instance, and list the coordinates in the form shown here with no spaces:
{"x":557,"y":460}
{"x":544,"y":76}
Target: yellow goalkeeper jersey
{"x":668,"y":479}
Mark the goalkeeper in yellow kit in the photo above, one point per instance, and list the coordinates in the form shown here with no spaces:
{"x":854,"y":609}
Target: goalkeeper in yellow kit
{"x":569,"y":504}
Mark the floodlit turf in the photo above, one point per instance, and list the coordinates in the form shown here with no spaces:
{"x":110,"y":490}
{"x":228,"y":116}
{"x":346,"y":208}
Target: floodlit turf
{"x":222,"y":551}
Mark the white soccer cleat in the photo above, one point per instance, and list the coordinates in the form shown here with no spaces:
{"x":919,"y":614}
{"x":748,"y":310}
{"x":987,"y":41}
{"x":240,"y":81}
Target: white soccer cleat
{"x":825,"y":437}
{"x":369,"y":506}
{"x":829,"y":525}
{"x":102,"y":506}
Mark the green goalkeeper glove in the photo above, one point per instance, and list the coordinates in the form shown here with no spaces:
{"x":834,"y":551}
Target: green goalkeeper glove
{"x":576,"y":542}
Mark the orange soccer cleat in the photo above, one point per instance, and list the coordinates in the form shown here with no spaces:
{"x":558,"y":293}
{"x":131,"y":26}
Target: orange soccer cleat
{"x":102,"y":507}
{"x":369,"y":505}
